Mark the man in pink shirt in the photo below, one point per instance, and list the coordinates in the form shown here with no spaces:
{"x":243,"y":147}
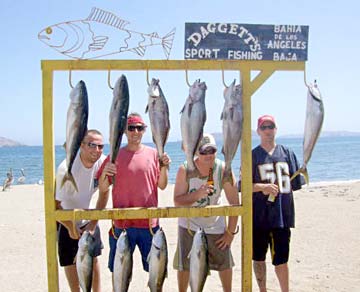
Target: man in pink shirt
{"x":137,"y":174}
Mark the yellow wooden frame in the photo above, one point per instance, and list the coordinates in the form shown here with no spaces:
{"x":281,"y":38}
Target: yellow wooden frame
{"x":266,"y":69}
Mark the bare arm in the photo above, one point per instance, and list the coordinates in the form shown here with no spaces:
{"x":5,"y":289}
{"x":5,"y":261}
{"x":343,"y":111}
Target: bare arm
{"x":74,"y":233}
{"x":232,"y":197}
{"x":182,"y":197}
{"x":100,"y":204}
{"x":164,"y":171}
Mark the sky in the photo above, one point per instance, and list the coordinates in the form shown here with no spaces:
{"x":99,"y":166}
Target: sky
{"x":333,"y":61}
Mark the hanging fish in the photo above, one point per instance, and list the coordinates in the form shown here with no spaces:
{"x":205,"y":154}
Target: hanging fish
{"x":76,"y":127}
{"x":199,"y":261}
{"x":193,"y":117}
{"x":118,"y":115}
{"x":102,"y":33}
{"x":232,"y":117}
{"x":158,"y":260}
{"x":159,"y":115}
{"x":313,"y":123}
{"x":123,"y":264}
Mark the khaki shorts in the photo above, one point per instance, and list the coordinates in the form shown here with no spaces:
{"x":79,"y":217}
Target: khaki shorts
{"x":219,"y":260}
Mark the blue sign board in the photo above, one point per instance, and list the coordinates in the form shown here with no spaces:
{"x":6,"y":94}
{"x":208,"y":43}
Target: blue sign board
{"x":233,"y":41}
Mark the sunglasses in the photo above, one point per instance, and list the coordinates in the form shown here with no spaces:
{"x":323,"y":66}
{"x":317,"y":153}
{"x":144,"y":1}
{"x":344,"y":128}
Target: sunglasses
{"x":132,"y":128}
{"x":271,"y":127}
{"x":207,"y":151}
{"x":94,"y":145}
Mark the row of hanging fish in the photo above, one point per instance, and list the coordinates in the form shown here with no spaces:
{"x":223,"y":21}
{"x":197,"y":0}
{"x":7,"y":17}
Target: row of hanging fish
{"x":192,"y":121}
{"x":193,"y":118}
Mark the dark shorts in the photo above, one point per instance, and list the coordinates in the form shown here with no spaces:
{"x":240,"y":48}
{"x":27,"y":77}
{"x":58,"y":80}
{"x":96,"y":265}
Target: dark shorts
{"x":219,"y":260}
{"x":68,"y":247}
{"x":140,"y":237}
{"x":279,"y":241}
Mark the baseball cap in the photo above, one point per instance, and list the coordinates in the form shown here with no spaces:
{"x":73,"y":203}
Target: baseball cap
{"x":206,"y":141}
{"x":266,"y":118}
{"x":135,"y":119}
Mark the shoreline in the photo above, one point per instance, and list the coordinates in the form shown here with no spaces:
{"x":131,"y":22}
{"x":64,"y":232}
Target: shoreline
{"x":311,"y":184}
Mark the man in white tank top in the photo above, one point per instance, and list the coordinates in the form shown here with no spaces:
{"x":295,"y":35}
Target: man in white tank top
{"x":196,"y":191}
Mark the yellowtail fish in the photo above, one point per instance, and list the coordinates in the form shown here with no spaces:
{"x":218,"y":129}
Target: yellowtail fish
{"x":158,"y":110}
{"x":76,"y":127}
{"x":193,"y":117}
{"x":84,"y":261}
{"x":313,"y":123}
{"x":199,"y":261}
{"x":123,"y":264}
{"x":102,"y":33}
{"x":232,"y":117}
{"x":158,"y":260}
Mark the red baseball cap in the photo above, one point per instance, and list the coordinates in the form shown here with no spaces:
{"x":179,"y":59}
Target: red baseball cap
{"x":266,"y":118}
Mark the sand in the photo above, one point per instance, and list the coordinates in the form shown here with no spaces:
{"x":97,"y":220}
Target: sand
{"x":324,"y":256}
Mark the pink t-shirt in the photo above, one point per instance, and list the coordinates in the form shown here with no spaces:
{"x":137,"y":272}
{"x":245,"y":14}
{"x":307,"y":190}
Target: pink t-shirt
{"x":136,"y":183}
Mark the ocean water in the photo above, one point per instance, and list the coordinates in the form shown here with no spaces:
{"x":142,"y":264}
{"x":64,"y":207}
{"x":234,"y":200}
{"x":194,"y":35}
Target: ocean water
{"x":334,"y":159}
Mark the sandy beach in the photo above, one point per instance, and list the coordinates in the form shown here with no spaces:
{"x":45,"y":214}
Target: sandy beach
{"x":324,"y":256}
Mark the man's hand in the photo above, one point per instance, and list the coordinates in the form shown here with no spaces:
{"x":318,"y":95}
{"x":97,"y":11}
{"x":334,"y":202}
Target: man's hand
{"x":270,"y":189}
{"x":225,"y":241}
{"x":165,"y":160}
{"x":73,"y":230}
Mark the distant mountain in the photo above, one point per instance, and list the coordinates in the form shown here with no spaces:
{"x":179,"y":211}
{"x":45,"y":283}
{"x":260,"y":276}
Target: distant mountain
{"x":4,"y":142}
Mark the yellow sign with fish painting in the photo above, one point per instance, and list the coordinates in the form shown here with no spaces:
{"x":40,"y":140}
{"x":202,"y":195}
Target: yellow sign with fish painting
{"x":101,"y":34}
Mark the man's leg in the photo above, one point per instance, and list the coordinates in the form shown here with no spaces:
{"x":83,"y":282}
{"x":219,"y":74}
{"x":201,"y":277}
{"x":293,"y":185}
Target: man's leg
{"x":282,"y":273}
{"x":260,"y":274}
{"x":183,"y":280}
{"x":96,"y":283}
{"x":226,"y":279}
{"x":72,"y":278}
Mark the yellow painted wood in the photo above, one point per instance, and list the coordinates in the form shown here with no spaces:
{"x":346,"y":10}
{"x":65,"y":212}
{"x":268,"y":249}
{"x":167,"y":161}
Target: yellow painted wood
{"x":138,"y":213}
{"x":246,"y":185}
{"x":49,"y":178}
{"x":266,"y":69}
{"x":168,"y":65}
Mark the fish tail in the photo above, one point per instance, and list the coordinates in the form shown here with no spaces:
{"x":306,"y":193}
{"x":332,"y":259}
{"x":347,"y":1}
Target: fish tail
{"x":302,"y":171}
{"x":167,"y":42}
{"x":69,"y":176}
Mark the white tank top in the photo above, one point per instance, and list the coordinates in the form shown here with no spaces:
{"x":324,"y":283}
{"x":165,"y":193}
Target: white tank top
{"x":213,"y":224}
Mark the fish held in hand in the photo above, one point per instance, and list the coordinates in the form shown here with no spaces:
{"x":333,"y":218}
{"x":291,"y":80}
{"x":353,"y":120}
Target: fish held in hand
{"x":158,"y":110}
{"x":193,"y":117}
{"x":76,"y":127}
{"x":313,"y":124}
{"x":232,"y":117}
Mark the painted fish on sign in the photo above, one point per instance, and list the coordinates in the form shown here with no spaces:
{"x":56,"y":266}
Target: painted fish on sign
{"x":246,"y":41}
{"x":101,"y":34}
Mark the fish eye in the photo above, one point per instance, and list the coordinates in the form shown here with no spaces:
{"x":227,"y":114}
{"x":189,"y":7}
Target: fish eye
{"x":48,"y":30}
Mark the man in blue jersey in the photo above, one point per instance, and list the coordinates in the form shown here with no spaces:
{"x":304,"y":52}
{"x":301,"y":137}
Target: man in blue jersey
{"x":273,"y":203}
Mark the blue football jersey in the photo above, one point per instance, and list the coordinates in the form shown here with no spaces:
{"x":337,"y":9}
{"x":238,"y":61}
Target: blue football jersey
{"x":276,"y":168}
